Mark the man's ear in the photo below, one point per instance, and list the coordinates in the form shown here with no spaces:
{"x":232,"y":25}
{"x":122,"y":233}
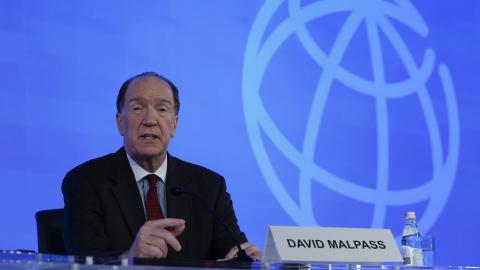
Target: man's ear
{"x":174,"y":126}
{"x":120,"y":127}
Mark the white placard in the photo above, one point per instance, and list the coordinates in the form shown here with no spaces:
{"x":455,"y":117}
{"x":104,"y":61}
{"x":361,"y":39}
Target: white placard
{"x":330,"y":245}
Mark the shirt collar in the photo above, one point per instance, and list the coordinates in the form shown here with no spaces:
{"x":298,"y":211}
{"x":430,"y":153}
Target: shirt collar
{"x":140,"y":172}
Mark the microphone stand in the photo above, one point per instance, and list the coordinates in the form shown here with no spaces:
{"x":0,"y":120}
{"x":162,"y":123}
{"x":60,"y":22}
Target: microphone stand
{"x":241,"y":254}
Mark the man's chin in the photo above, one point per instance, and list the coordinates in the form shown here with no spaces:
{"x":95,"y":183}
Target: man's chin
{"x":146,"y":153}
{"x":151,"y":154}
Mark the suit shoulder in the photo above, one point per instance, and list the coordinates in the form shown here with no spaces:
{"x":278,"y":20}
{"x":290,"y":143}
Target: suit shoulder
{"x":197,"y":170}
{"x":95,"y":165}
{"x":89,"y":171}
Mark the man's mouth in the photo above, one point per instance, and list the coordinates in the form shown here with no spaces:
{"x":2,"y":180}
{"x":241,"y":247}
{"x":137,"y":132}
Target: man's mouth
{"x":149,"y":136}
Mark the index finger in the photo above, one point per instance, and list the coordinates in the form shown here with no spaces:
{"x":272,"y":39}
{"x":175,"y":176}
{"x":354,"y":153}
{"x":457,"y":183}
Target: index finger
{"x":163,"y":223}
{"x":176,"y":231}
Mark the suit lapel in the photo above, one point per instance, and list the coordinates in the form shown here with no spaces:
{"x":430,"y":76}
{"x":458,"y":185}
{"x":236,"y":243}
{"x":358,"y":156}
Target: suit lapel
{"x":125,"y":190}
{"x":178,"y":206}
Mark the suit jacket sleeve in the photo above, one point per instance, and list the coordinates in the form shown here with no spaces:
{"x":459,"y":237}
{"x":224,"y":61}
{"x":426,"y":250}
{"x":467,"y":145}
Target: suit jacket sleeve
{"x":84,"y":227}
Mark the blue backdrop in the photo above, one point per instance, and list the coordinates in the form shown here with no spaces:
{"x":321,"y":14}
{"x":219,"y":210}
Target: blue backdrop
{"x":329,"y":113}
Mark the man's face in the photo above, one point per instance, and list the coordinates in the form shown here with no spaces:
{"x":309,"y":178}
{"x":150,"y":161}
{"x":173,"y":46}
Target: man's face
{"x":148,"y":120}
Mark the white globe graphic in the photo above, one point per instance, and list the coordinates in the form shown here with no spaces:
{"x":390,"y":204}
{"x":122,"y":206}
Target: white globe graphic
{"x":377,"y":15}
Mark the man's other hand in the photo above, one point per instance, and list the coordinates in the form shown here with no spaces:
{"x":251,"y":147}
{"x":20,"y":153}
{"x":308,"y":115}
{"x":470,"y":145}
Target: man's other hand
{"x":155,"y":236}
{"x":251,"y":250}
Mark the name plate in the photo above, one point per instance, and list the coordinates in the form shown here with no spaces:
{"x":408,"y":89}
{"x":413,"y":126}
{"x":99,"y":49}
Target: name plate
{"x":330,"y":245}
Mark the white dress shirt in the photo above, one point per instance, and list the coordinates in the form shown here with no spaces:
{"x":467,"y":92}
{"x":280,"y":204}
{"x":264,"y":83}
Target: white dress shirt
{"x":143,"y":185}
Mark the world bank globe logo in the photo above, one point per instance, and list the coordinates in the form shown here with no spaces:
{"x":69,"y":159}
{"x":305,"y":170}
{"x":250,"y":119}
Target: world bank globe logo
{"x":281,"y":23}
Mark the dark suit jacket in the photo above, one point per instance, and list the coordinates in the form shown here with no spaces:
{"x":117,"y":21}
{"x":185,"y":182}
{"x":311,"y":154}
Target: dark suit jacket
{"x":104,"y":211}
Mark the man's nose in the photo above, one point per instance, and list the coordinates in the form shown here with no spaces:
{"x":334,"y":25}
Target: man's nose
{"x":150,"y":116}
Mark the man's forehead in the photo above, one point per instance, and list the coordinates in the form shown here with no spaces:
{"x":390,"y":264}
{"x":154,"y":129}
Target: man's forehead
{"x":149,"y":86}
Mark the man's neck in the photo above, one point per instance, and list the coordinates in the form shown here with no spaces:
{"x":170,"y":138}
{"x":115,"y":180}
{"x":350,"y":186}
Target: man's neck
{"x":150,"y":164}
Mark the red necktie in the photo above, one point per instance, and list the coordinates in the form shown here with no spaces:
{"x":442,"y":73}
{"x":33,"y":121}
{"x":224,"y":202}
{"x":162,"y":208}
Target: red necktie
{"x":153,"y":206}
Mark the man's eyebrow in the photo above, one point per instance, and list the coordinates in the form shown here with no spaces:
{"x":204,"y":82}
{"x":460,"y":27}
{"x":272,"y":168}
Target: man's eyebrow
{"x":158,"y":100}
{"x":163,"y":100}
{"x":135,"y":100}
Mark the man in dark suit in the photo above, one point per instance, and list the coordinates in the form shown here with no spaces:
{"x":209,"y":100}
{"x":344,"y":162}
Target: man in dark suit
{"x":121,"y":205}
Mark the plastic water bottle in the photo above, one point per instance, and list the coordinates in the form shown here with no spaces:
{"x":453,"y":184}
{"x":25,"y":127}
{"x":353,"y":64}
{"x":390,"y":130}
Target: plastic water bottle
{"x":411,"y":242}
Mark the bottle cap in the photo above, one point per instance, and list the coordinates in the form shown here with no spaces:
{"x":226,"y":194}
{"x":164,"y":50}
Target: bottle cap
{"x":410,"y":215}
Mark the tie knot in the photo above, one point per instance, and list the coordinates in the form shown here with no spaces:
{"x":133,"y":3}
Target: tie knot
{"x":152,"y":180}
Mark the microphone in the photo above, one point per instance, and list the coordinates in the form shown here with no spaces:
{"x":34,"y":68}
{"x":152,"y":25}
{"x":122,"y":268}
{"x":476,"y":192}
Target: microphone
{"x":241,"y":255}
